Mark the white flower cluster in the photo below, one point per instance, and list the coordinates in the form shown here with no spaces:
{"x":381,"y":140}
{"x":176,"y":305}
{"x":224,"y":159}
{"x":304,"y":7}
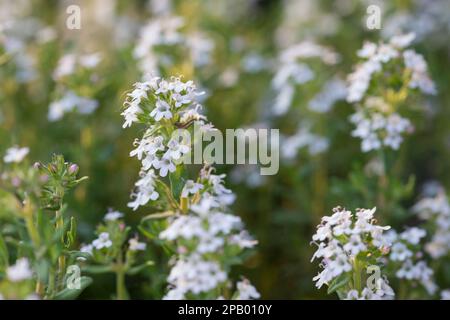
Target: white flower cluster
{"x":165,"y":31}
{"x":15,"y":154}
{"x":206,"y":231}
{"x":332,"y":91}
{"x":378,"y":55}
{"x":70,"y":63}
{"x":103,"y":241}
{"x":341,"y":237}
{"x":201,"y":230}
{"x":436,"y":210}
{"x":19,"y":271}
{"x":405,"y":250}
{"x":157,"y":101}
{"x":378,"y":123}
{"x":68,"y":103}
{"x":245,"y":291}
{"x":303,"y":138}
{"x":377,"y":129}
{"x":113,"y":215}
{"x":194,"y":275}
{"x":381,"y":291}
{"x":291,"y":72}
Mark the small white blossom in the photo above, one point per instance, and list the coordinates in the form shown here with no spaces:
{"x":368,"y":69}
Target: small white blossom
{"x":191,"y":187}
{"x":246,"y":291}
{"x":103,"y":241}
{"x":15,"y":154}
{"x":20,"y":271}
{"x":113,"y":216}
{"x":135,"y":245}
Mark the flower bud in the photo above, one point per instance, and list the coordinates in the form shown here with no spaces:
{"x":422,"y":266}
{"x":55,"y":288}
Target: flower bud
{"x":73,"y":168}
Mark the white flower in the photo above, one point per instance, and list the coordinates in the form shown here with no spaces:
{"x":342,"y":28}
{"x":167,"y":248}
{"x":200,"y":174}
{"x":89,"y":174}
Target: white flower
{"x":20,"y":271}
{"x":368,"y":50}
{"x":135,"y":245}
{"x":402,"y":41}
{"x":243,"y":240}
{"x":90,"y":61}
{"x":354,"y":245}
{"x":165,"y":165}
{"x":66,"y":66}
{"x":113,"y":215}
{"x":87,"y":249}
{"x":246,"y":291}
{"x":102,"y":241}
{"x":185,"y":227}
{"x":176,"y":149}
{"x":420,"y":78}
{"x":15,"y":154}
{"x":445,"y":294}
{"x":332,"y":91}
{"x":132,"y":104}
{"x":413,"y":235}
{"x":70,"y":102}
{"x":352,"y":295}
{"x":161,"y":110}
{"x":191,"y":187}
{"x":337,"y":252}
{"x":399,"y":252}
{"x":145,"y":190}
{"x":194,"y":275}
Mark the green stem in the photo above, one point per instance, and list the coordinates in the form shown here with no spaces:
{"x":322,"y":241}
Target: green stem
{"x":382,"y":185}
{"x":61,"y":258}
{"x":121,"y":290}
{"x":357,"y":276}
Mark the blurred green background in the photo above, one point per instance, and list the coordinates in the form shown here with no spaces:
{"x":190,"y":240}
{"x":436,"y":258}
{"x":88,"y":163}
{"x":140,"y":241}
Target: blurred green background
{"x":282,"y":210}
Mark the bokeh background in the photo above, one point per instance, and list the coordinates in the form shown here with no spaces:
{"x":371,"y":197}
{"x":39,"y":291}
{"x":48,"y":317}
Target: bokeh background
{"x":232,"y":53}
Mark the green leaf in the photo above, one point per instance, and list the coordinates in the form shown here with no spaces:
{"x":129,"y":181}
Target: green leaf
{"x":72,"y":233}
{"x":159,"y":215}
{"x":137,"y":269}
{"x":70,"y":294}
{"x":98,"y":269}
{"x":338,"y":283}
{"x":177,"y":181}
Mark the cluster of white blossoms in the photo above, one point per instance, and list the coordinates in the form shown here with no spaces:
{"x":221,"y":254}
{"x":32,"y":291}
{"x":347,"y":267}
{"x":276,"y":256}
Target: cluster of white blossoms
{"x":405,"y":254}
{"x":104,"y":239}
{"x":378,"y":122}
{"x":332,"y":91}
{"x":165,"y":30}
{"x":204,"y":235}
{"x":15,"y":154}
{"x":378,"y":127}
{"x":348,"y":243}
{"x":303,"y":138}
{"x":161,"y":104}
{"x":435,"y":210}
{"x":381,"y":291}
{"x":20,"y":271}
{"x":68,"y":103}
{"x":70,"y":63}
{"x":377,"y":56}
{"x":69,"y":66}
{"x":203,"y":238}
{"x":245,"y":291}
{"x":291,"y":72}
